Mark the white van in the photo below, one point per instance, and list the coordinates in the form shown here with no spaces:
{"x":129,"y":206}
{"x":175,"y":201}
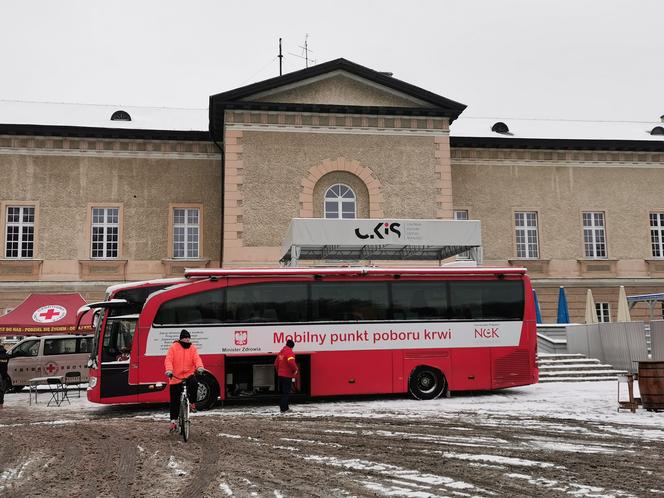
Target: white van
{"x":48,"y":356}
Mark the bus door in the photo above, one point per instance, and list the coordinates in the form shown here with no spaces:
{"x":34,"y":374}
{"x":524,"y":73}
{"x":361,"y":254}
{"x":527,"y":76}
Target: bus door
{"x":115,"y":358}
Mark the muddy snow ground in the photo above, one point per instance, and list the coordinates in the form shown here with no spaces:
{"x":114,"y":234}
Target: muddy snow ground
{"x":549,"y":440}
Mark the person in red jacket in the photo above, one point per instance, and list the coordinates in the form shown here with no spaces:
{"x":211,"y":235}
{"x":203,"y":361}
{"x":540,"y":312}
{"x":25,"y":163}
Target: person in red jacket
{"x":181,"y":362}
{"x":286,"y":372}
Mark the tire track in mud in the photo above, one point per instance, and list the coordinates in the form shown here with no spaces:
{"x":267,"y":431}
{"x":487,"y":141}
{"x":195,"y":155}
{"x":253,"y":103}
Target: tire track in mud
{"x":419,"y":461}
{"x":300,"y":455}
{"x":205,"y":466}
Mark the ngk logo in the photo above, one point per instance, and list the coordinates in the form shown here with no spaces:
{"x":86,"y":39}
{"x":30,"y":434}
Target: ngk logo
{"x":241,"y":337}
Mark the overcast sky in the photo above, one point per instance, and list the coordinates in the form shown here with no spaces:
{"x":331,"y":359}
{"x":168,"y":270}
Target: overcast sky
{"x":560,"y":59}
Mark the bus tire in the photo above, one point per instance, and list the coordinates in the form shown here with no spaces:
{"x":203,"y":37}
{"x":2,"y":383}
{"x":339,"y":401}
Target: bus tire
{"x":208,"y":392}
{"x":426,"y":383}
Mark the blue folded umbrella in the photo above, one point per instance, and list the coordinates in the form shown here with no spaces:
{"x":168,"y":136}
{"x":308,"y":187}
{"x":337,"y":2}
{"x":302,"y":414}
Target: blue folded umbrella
{"x":538,"y":313}
{"x":563,"y":311}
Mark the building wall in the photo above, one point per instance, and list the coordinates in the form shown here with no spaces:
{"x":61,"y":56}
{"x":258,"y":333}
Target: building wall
{"x":276,"y":172}
{"x":560,"y":186}
{"x":64,"y":178}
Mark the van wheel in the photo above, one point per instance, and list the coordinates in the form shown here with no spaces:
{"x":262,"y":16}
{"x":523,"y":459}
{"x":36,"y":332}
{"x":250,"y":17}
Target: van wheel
{"x":208,"y":392}
{"x":426,"y":383}
{"x":10,"y":388}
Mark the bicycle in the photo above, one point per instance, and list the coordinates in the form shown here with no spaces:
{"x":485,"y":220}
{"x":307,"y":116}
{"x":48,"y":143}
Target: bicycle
{"x":184,"y":424}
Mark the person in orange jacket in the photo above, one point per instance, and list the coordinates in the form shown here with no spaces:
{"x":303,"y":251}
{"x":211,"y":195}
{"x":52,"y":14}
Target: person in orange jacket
{"x":182,"y":360}
{"x":286,"y":372}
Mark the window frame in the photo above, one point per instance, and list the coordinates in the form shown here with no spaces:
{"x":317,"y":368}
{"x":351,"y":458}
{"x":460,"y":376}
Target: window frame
{"x":6,"y":224}
{"x":656,"y":231}
{"x":339,"y":201}
{"x":458,"y":215}
{"x":593,"y":230}
{"x":105,"y":226}
{"x":88,"y":228}
{"x":526,"y":230}
{"x":171,"y":230}
{"x":603,"y":310}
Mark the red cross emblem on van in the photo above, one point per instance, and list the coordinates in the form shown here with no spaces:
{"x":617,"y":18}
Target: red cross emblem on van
{"x":51,"y":368}
{"x":241,"y":337}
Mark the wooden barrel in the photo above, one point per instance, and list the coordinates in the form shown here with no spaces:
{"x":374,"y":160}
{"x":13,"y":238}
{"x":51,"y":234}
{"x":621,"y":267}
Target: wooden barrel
{"x":651,"y":384}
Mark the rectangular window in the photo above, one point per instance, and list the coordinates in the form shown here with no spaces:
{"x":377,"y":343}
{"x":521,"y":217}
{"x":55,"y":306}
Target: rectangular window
{"x":462,"y":214}
{"x":59,"y":346}
{"x":527,"y":244}
{"x":349,"y":301}
{"x":105,"y":232}
{"x":594,"y":236}
{"x":657,"y":234}
{"x":603,"y":312}
{"x":186,"y":232}
{"x":20,"y":232}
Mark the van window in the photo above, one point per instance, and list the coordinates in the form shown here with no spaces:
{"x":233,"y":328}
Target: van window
{"x":27,"y":348}
{"x":84,"y":345}
{"x":60,"y":346}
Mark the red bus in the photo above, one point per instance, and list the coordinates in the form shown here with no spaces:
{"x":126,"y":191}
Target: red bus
{"x":426,"y":331}
{"x":114,"y":331}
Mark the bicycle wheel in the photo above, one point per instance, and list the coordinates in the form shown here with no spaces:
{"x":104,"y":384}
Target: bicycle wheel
{"x":184,"y":418}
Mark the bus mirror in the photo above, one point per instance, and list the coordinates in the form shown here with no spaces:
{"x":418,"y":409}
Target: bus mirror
{"x":82,"y":311}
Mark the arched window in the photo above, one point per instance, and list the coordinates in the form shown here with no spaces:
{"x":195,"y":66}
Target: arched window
{"x":340,"y":202}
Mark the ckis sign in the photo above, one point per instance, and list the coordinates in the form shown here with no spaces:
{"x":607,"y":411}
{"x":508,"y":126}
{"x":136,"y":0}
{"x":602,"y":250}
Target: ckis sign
{"x":382,"y":230}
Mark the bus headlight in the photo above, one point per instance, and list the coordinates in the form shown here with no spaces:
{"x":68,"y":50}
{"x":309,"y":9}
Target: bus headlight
{"x":92,"y":382}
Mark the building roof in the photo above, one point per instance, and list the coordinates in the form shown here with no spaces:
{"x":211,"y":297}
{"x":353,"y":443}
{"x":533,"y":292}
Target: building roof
{"x":243,"y":97}
{"x":550,"y":133}
{"x":94,"y":120}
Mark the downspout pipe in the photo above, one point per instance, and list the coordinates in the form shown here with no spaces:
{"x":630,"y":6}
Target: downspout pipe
{"x":223,"y":187}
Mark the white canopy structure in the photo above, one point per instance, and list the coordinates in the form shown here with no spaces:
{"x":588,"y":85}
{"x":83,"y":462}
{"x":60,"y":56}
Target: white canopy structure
{"x":358,"y":239}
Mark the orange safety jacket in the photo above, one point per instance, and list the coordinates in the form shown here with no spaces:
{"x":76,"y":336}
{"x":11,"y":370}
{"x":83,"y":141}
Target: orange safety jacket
{"x":285,"y":363}
{"x":182,"y":362}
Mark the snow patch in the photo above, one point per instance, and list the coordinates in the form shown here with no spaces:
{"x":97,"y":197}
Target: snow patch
{"x":500,"y":460}
{"x":175,"y":467}
{"x":393,"y":471}
{"x":225,"y":488}
{"x":9,"y":475}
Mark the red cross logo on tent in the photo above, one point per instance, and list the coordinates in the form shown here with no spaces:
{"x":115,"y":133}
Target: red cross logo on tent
{"x":51,"y":368}
{"x":49,"y":314}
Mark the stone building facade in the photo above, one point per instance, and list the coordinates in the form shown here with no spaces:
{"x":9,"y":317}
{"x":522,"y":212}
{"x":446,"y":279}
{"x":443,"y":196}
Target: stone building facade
{"x":273,"y":150}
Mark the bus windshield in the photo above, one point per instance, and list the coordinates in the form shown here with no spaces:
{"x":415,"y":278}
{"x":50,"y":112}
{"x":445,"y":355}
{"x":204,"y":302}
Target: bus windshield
{"x":118,"y":338}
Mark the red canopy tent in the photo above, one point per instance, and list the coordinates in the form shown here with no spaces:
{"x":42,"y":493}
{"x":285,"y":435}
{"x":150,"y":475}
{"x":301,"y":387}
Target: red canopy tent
{"x":42,"y":314}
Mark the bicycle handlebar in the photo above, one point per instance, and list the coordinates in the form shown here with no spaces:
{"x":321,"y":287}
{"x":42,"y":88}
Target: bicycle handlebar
{"x":195,"y":374}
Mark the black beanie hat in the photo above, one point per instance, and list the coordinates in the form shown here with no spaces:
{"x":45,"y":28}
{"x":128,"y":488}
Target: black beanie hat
{"x":185,"y":334}
{"x":290,"y":343}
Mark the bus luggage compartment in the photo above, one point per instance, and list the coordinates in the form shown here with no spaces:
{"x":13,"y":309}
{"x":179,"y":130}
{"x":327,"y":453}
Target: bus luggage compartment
{"x":255,"y":376}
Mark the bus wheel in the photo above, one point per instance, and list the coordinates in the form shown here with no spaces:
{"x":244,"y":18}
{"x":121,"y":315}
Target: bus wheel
{"x":208,"y":391}
{"x":426,"y":383}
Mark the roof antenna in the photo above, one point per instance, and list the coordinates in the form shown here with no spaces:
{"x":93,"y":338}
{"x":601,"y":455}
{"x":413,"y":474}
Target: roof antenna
{"x":281,"y":58}
{"x":305,"y":52}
